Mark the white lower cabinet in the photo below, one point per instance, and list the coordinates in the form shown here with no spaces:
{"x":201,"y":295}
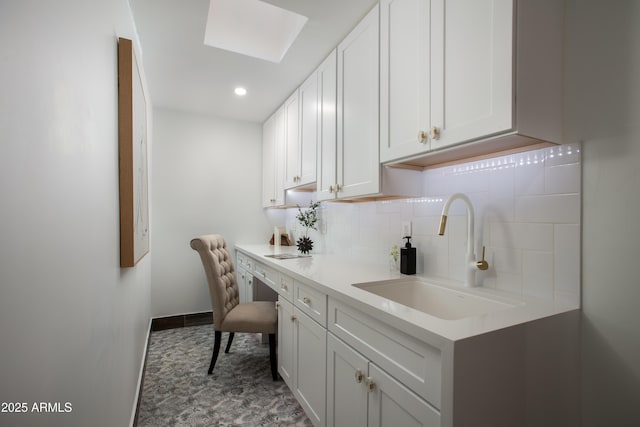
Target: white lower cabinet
{"x":245,"y":285}
{"x":359,"y":393}
{"x":302,"y":344}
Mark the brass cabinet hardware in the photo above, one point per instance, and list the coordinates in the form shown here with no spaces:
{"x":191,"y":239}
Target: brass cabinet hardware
{"x":435,"y":133}
{"x":359,"y":376}
{"x":371,"y":385}
{"x":422,"y":137}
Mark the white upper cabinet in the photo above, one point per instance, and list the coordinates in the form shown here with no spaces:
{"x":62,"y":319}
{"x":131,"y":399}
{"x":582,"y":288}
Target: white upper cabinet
{"x":348,"y":146}
{"x":301,"y":121}
{"x":291,"y":109}
{"x":327,"y":145}
{"x":461,"y":78}
{"x":308,"y":93}
{"x":472,"y":69}
{"x":405,"y":43}
{"x":358,"y":160}
{"x":272,"y":160}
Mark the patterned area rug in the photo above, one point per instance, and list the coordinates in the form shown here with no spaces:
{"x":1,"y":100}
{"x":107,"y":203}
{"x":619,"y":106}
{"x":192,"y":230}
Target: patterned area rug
{"x":178,"y":392}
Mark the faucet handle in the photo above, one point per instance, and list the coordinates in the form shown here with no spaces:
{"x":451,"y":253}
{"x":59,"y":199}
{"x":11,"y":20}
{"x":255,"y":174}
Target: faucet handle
{"x":482,"y":265}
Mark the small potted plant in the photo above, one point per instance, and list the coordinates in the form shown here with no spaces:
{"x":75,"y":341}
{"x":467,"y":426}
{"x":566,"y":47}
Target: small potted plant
{"x":308,"y":219}
{"x":393,"y":257}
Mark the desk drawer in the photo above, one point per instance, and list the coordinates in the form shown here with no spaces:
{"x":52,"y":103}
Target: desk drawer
{"x":266,"y":275}
{"x":286,"y":287}
{"x":311,"y":301}
{"x":244,"y":261}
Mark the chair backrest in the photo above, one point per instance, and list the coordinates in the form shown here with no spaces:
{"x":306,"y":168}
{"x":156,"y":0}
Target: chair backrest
{"x":221,"y":276}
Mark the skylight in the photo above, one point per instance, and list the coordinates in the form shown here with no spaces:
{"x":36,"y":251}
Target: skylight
{"x":252,"y":27}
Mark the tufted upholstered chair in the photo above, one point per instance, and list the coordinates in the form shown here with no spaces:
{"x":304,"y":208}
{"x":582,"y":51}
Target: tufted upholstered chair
{"x":229,"y":315}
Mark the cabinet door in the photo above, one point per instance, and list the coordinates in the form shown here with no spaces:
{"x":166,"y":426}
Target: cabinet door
{"x":308,"y":129}
{"x":404,"y":78}
{"x":310,"y":356}
{"x":358,"y":79}
{"x":471,"y":69}
{"x":291,"y":141}
{"x":393,"y":404}
{"x":272,"y":163}
{"x":326,"y":157}
{"x":241,"y":277}
{"x":248,"y":287}
{"x":346,"y":391}
{"x":285,"y":340}
{"x":269,"y":162}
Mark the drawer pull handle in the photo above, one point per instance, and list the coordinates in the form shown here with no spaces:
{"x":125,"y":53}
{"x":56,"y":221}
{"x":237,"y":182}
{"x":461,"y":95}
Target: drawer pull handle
{"x":284,"y":287}
{"x":359,"y":376}
{"x":306,"y":300}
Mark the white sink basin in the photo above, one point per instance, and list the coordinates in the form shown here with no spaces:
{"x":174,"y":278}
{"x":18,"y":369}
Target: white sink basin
{"x":435,"y":300}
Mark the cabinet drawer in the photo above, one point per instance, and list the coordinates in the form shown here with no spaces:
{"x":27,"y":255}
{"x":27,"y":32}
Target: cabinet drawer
{"x":413,"y":362}
{"x":285,"y":287}
{"x":311,"y":302}
{"x":244,"y":262}
{"x":266,"y":275}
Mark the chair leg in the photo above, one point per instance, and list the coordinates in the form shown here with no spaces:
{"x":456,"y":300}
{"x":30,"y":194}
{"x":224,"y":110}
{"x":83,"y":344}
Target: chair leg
{"x":226,"y":350}
{"x":273,"y":358}
{"x":216,"y":349}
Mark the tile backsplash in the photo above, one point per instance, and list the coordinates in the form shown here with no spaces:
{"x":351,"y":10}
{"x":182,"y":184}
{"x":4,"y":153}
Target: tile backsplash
{"x":527,"y":208}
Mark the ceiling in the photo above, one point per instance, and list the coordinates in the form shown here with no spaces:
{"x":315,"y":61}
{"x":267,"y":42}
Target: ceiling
{"x":184,"y":74}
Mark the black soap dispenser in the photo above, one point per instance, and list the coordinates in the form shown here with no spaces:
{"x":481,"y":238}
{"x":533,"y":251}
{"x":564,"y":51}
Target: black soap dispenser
{"x":408,"y":258}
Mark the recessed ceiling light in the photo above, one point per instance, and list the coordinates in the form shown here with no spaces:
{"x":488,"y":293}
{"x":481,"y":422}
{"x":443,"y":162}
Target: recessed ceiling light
{"x":252,"y":27}
{"x":240,"y":91}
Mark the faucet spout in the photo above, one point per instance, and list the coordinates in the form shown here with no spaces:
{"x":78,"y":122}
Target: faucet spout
{"x":472,"y":265}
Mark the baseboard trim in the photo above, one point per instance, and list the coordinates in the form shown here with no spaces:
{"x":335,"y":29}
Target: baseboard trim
{"x":181,"y":321}
{"x":143,"y":367}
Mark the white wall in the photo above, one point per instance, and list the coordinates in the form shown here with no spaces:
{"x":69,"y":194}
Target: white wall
{"x":603,"y":93}
{"x":207,"y":179}
{"x":73,"y":325}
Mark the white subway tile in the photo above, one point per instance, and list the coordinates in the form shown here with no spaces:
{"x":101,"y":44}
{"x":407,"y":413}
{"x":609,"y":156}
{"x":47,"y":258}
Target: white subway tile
{"x":537,"y":274}
{"x":529,"y":236}
{"x":529,"y":178}
{"x":567,"y":258}
{"x":506,"y":260}
{"x":562,"y":179}
{"x":563,"y":154}
{"x":552,"y":208}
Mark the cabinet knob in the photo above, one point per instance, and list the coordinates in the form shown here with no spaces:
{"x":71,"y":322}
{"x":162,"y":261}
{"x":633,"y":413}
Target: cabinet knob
{"x":422,"y":137}
{"x":277,"y":305}
{"x":435,"y":133}
{"x":249,"y":282}
{"x":331,"y":189}
{"x":371,"y":385}
{"x":284,"y":287}
{"x":306,"y":300}
{"x":359,"y":376}
{"x":293,"y":317}
{"x":338,"y":188}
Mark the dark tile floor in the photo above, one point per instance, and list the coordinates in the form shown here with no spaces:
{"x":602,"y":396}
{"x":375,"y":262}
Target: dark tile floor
{"x":178,"y":392}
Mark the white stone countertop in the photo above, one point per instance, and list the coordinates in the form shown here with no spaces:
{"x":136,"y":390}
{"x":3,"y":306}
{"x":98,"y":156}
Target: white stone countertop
{"x":335,"y":275}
